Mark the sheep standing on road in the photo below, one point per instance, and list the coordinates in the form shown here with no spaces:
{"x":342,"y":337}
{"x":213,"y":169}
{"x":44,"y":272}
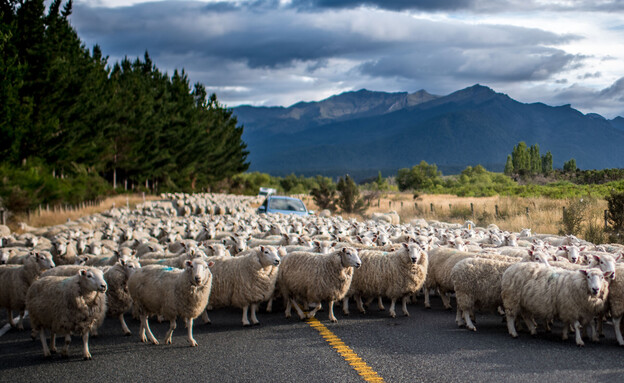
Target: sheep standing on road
{"x":67,"y":305}
{"x":163,"y":290}
{"x":536,"y":290}
{"x":15,"y":281}
{"x":394,"y":275}
{"x":244,"y":281}
{"x":312,"y":277}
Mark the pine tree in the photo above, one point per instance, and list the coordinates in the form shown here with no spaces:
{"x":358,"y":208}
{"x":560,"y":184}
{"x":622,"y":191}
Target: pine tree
{"x":509,"y":168}
{"x":547,"y":163}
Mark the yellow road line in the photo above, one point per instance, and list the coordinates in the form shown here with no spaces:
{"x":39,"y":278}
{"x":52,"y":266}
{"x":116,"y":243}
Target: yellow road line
{"x":359,"y":365}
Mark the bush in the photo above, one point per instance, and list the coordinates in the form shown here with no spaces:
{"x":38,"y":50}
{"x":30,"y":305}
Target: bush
{"x":615,"y":214}
{"x":595,"y":233}
{"x":574,"y":216}
{"x":461,"y":212}
{"x":324,"y":194}
{"x":349,"y":200}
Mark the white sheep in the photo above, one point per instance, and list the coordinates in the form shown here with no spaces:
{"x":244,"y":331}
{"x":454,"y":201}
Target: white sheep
{"x":67,"y":305}
{"x":244,"y":281}
{"x":615,"y":302}
{"x":312,"y":277}
{"x":477,"y":284}
{"x":162,"y":290}
{"x":16,"y":279}
{"x":536,"y":290}
{"x":394,"y":275}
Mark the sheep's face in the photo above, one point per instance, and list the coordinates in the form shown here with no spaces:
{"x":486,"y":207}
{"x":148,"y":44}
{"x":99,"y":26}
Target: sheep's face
{"x":60,"y":247}
{"x":595,"y":281}
{"x":198,"y":271}
{"x":414,"y":252}
{"x":323,"y":247}
{"x":93,"y":280}
{"x":95,"y":249}
{"x":606,"y":263}
{"x":383,"y":240}
{"x":32,"y":241}
{"x":268,"y":256}
{"x":350,"y":258}
{"x":44,"y":260}
{"x":130,"y":266}
{"x":574,"y":253}
{"x":525,"y":233}
{"x":81,"y":260}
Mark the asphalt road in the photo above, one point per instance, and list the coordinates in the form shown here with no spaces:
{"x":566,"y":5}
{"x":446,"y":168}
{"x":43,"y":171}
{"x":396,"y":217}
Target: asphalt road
{"x":425,"y":347}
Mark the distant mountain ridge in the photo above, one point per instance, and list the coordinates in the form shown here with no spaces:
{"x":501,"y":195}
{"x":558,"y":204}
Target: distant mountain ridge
{"x":363,"y":132}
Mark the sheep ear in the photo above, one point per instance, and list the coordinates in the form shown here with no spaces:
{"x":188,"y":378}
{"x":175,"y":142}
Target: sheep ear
{"x":122,"y":262}
{"x":582,"y":248}
{"x":82,"y":272}
{"x":405,"y":245}
{"x":210,"y":263}
{"x":596,"y":257}
{"x":188,"y":263}
{"x":618,"y":257}
{"x":531,"y":252}
{"x":262,"y":248}
{"x":584,"y":272}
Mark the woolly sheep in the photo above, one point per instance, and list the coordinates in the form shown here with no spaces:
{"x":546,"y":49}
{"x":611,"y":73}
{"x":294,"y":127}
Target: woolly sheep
{"x":394,"y":275}
{"x":162,"y":290}
{"x":244,"y":281}
{"x":315,"y":277}
{"x":615,"y":302}
{"x":536,"y":290}
{"x":119,"y":299}
{"x":15,"y":281}
{"x":477,"y":284}
{"x":67,"y":305}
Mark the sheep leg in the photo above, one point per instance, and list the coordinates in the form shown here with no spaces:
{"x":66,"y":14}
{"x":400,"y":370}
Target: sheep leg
{"x":600,"y":319}
{"x":446,"y":300}
{"x":381,"y":305}
{"x":318,"y":306}
{"x":10,"y":312}
{"x":65,"y":351}
{"x":368,"y":302}
{"x":20,"y":323}
{"x":124,"y":326}
{"x":245,"y":320}
{"x":392,"y":304}
{"x":577,"y":330}
{"x":269,"y":307}
{"x":426,"y":294}
{"x":288,"y":311}
{"x":530,"y":324}
{"x":189,"y":332}
{"x":564,"y":331}
{"x":469,"y":323}
{"x":345,"y":305}
{"x":85,"y":346}
{"x":511,"y":324}
{"x":459,"y":317}
{"x":44,"y":343}
{"x":172,"y":326}
{"x":360,"y":304}
{"x":618,"y":330}
{"x":145,"y":325}
{"x":254,"y":319}
{"x":332,"y":318}
{"x":404,"y":305}
{"x":595,"y":337}
{"x":52,"y":343}
{"x":205,"y":317}
{"x":297,"y":308}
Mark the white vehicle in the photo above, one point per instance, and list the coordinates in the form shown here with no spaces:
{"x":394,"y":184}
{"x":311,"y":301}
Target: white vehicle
{"x":265,"y":192}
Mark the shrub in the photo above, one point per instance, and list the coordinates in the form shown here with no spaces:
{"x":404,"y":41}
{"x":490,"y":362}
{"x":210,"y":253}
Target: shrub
{"x":574,"y":216}
{"x":324,"y":194}
{"x":615,"y":214}
{"x":349,"y":200}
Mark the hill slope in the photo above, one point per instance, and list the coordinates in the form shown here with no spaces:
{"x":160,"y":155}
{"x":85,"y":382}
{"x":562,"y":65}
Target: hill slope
{"x":363,"y":132}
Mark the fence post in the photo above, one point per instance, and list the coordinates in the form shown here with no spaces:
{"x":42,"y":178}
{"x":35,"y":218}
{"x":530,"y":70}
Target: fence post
{"x":564,"y":211}
{"x":472,"y":209}
{"x":378,"y":202}
{"x":496,"y":211}
{"x":3,"y":216}
{"x":389,"y":204}
{"x":450,"y":207}
{"x":527,"y":211}
{"x":606,"y":218}
{"x":431,"y":206}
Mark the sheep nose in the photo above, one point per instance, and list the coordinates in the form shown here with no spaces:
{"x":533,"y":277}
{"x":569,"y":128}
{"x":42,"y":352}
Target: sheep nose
{"x":103,"y":287}
{"x":595,"y":291}
{"x":357,"y":265}
{"x":277,"y":262}
{"x":198,"y":279}
{"x":413,"y":260}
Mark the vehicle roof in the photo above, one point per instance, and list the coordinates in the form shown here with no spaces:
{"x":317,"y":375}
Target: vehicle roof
{"x":282,"y":197}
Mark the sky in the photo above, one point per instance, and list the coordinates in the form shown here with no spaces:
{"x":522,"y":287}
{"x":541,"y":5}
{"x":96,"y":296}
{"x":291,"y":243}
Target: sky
{"x":279,"y":52}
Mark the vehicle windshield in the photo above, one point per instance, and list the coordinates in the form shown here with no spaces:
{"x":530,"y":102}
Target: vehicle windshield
{"x":286,"y":204}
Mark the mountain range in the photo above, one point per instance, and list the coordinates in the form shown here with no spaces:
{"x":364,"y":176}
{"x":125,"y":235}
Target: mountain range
{"x":363,"y":132}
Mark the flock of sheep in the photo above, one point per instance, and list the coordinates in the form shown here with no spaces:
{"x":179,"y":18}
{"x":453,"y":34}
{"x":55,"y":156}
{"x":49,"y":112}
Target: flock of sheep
{"x":186,"y":255}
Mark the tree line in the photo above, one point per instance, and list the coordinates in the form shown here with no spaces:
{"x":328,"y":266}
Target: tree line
{"x":69,"y":113}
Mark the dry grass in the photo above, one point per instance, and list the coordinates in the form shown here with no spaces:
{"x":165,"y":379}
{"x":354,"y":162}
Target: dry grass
{"x":60,"y":215}
{"x":544,"y":215}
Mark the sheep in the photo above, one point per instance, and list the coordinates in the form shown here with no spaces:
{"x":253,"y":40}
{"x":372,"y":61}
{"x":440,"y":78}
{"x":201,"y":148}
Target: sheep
{"x":394,"y":275}
{"x":244,"y":281}
{"x":315,"y":277}
{"x":162,"y":290}
{"x":536,"y":290}
{"x":615,"y":302}
{"x":15,"y":281}
{"x":119,"y":299}
{"x":477,"y":284}
{"x":66,"y":305}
